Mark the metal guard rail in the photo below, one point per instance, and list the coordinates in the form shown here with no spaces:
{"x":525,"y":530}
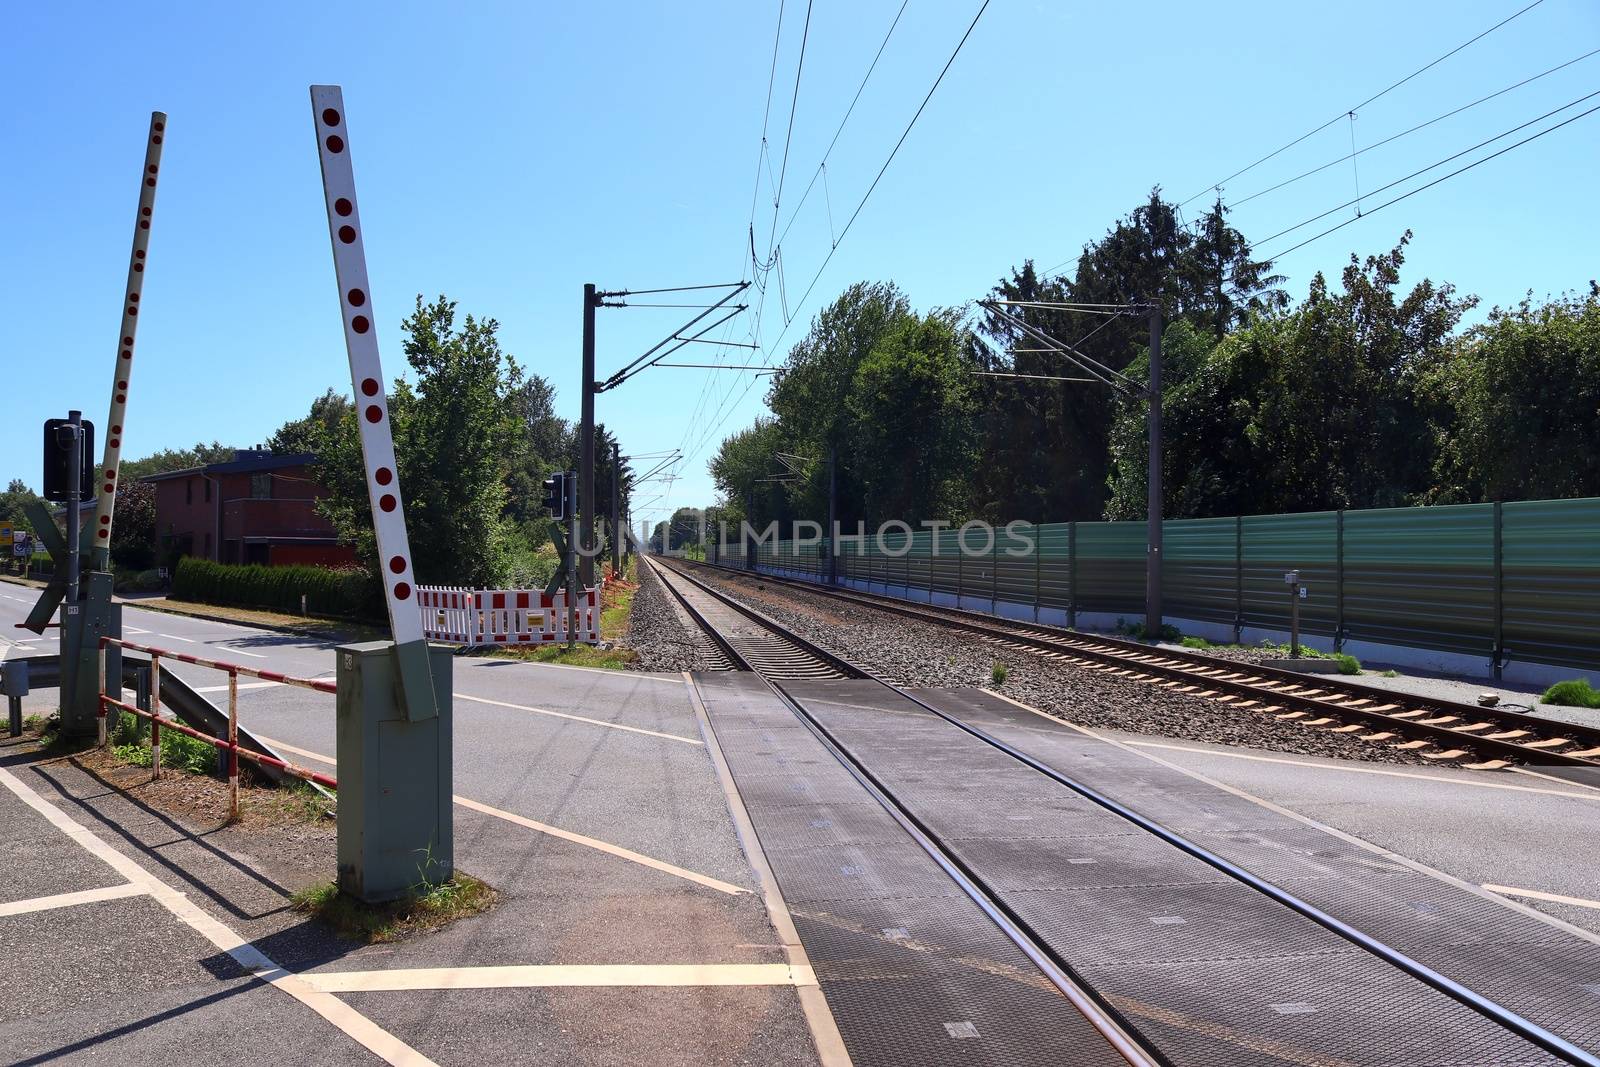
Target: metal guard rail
{"x":230,"y":744}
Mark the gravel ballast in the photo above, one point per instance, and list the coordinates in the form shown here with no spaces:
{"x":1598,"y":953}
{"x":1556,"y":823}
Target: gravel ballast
{"x":909,"y":653}
{"x":661,"y":632}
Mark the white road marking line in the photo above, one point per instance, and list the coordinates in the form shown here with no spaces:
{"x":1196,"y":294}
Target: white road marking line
{"x":357,"y":1026}
{"x":1305,"y":820}
{"x":242,"y":687}
{"x":562,"y":975}
{"x":554,"y":831}
{"x":66,"y":900}
{"x":1534,"y":894}
{"x":242,"y":652}
{"x":640,"y":676}
{"x":831,"y":1051}
{"x":134,"y":630}
{"x":1434,"y":778}
{"x":580,"y":718}
{"x":175,"y":637}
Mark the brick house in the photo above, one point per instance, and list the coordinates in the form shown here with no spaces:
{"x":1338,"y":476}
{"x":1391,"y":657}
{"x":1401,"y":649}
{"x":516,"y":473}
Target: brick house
{"x":256,"y":508}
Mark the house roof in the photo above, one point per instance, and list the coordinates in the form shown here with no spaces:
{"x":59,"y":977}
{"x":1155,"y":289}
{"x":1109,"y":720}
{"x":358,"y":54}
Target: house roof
{"x":242,"y":463}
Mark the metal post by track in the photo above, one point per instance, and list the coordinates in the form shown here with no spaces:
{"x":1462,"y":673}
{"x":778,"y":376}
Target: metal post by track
{"x":1152,"y":562}
{"x":585,"y":531}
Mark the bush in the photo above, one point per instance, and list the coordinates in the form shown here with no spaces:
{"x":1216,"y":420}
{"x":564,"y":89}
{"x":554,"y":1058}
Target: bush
{"x":1196,"y":642}
{"x":1347,"y":664}
{"x":347,"y":592}
{"x":1574,"y":692}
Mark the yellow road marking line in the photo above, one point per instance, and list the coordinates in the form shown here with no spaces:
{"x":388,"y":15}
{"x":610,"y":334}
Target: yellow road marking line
{"x":580,"y":718}
{"x":562,"y":975}
{"x":66,"y":900}
{"x":358,"y":1027}
{"x":555,"y":831}
{"x":1534,"y":894}
{"x":1434,"y":778}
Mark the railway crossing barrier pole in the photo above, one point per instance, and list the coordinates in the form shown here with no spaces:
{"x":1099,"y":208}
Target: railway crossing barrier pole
{"x":394,"y":715}
{"x":1152,"y":565}
{"x":395,"y":823}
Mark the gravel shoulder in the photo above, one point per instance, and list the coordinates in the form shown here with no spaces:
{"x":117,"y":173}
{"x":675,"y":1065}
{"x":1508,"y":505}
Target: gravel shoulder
{"x":910,"y":653}
{"x":662,"y":634}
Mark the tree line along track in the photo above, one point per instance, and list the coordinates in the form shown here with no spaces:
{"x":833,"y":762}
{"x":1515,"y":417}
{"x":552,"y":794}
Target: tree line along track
{"x":1439,"y":730}
{"x":807,"y":700}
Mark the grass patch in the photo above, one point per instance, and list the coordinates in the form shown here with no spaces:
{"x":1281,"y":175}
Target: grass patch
{"x":424,"y":910}
{"x":997,"y":673}
{"x":1574,"y":693}
{"x":1140,"y":632}
{"x":130,"y":743}
{"x":1390,"y":673}
{"x":616,"y":606}
{"x":1347,"y":664}
{"x":1196,"y":642}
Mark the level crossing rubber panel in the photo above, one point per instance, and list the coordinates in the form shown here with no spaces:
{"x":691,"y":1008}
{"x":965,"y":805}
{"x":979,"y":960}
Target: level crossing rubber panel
{"x":1532,"y":967}
{"x":1209,"y":970}
{"x":913,"y":971}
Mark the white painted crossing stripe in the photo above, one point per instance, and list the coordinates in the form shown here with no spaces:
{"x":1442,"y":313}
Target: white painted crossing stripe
{"x":358,"y":1027}
{"x":242,"y":687}
{"x":580,"y":718}
{"x":242,"y":652}
{"x":175,"y":637}
{"x":134,"y":630}
{"x":1534,"y":894}
{"x":562,"y":975}
{"x":554,"y":831}
{"x":66,"y":900}
{"x":1436,"y":779}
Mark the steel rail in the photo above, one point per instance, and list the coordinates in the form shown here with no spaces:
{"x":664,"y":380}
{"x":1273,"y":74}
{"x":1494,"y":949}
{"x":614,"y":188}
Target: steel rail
{"x":1105,"y":1018}
{"x":1483,"y":1006}
{"x":1337,"y":698}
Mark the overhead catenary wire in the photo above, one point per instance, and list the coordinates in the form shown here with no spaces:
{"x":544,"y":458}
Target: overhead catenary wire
{"x":1371,"y":99}
{"x":1441,"y":178}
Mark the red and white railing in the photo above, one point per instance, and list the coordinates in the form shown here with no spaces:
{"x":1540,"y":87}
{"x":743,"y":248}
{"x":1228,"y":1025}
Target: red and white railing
{"x":230,"y":744}
{"x":480,"y":618}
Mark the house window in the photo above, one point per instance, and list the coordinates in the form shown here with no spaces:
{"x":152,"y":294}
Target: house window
{"x":208,"y":490}
{"x":261,"y":486}
{"x":188,"y":491}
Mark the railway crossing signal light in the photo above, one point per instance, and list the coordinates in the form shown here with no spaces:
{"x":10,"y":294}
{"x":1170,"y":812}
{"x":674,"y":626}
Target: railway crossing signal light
{"x":58,"y":451}
{"x":555,"y":495}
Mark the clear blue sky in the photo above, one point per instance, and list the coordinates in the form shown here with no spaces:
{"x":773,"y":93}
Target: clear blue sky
{"x":507,"y":153}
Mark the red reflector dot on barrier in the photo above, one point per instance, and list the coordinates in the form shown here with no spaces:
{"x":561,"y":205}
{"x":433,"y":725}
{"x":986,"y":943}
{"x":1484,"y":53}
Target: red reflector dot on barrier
{"x":145,"y":225}
{"x":330,"y":117}
{"x":347,"y":234}
{"x":335,"y":144}
{"x":360,"y":324}
{"x":369,"y":386}
{"x":105,"y":520}
{"x":401,"y":590}
{"x":127,"y":340}
{"x":150,"y":181}
{"x":156,"y":139}
{"x":116,"y":429}
{"x":151,"y":168}
{"x":138,"y":268}
{"x":387,"y":502}
{"x":139,"y":254}
{"x":383,"y":475}
{"x":145,"y":212}
{"x":105,"y":533}
{"x":111,"y":474}
{"x":343,"y":207}
{"x":374,"y":413}
{"x":122,"y":398}
{"x":127,"y":354}
{"x":116,"y":442}
{"x":110,"y":487}
{"x":398,"y":564}
{"x":356,"y":297}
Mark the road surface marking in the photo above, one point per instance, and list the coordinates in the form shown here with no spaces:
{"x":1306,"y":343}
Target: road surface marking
{"x":562,"y":975}
{"x":242,"y":687}
{"x":642,"y":676}
{"x":134,"y":630}
{"x":1434,"y":778}
{"x":1534,"y":894}
{"x":357,"y":1026}
{"x":824,"y":1029}
{"x":1305,"y":820}
{"x":580,"y":718}
{"x":242,"y":652}
{"x":554,"y":831}
{"x":65,"y":900}
{"x":175,"y":637}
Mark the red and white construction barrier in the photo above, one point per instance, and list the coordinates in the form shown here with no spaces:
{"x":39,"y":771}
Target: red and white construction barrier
{"x":481,"y":618}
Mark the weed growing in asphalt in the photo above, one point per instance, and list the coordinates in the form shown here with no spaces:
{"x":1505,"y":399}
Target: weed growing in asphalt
{"x":1574,"y":692}
{"x":461,"y":895}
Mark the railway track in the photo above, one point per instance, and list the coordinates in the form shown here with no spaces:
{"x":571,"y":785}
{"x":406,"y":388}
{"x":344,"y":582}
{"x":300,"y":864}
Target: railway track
{"x":727,"y":621}
{"x":1441,"y":730}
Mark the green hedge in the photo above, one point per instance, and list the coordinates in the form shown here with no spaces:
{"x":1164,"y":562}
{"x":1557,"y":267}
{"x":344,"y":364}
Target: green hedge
{"x":349,"y":592}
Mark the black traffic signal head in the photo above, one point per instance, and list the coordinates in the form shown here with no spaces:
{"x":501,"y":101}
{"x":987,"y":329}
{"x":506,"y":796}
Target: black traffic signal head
{"x":555,"y":495}
{"x":58,"y":460}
